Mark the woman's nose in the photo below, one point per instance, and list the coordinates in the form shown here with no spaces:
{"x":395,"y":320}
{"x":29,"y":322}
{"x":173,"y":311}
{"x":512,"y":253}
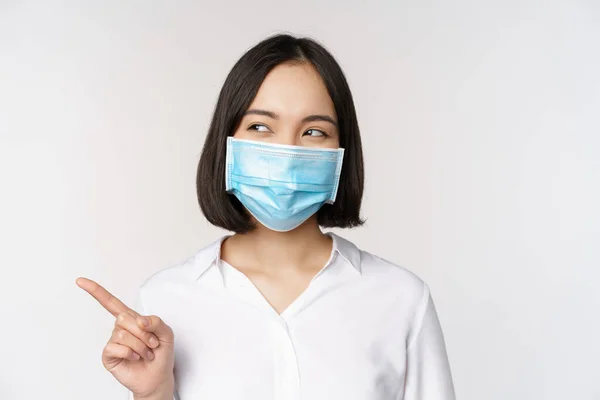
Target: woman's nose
{"x":290,"y":138}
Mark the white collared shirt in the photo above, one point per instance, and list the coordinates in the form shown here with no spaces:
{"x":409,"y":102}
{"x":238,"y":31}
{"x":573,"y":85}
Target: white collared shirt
{"x":364,"y":329}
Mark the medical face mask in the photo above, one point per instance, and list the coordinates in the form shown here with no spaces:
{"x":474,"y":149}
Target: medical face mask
{"x":281,"y":186}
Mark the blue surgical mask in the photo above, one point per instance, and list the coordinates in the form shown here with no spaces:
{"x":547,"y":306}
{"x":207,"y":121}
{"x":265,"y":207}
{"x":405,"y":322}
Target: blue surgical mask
{"x":281,"y":186}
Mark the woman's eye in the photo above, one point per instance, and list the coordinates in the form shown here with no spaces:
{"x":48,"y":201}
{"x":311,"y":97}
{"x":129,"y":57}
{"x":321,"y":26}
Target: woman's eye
{"x":259,"y":128}
{"x":315,"y":133}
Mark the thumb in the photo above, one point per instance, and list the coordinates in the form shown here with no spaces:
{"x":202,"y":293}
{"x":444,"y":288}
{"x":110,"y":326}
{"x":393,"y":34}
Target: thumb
{"x":154,"y":324}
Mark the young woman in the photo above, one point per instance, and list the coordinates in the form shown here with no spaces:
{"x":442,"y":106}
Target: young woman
{"x":280,"y":310}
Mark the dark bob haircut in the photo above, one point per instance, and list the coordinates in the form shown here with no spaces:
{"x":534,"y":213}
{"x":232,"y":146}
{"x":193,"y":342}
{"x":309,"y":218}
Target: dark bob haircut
{"x":241,"y":86}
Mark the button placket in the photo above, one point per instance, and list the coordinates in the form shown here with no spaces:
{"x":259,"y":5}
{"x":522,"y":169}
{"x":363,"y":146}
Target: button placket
{"x":286,"y":379}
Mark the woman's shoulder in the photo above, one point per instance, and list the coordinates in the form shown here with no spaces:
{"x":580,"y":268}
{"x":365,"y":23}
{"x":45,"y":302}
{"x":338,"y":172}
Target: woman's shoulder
{"x":391,"y":274}
{"x":385,"y":282}
{"x":187,"y":270}
{"x":378,"y":272}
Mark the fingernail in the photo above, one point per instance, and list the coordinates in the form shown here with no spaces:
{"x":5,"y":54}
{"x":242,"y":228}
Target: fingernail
{"x":150,"y":355}
{"x":136,"y":356}
{"x":145,"y":321}
{"x":153,"y":341}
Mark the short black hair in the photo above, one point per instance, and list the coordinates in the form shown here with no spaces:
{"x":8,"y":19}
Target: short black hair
{"x":239,"y":90}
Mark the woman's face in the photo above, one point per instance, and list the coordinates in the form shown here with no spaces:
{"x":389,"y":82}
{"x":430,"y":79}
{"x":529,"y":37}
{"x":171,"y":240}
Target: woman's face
{"x":292,"y":107}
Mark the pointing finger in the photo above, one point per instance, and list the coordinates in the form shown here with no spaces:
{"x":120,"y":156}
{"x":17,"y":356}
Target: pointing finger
{"x":103,"y":296}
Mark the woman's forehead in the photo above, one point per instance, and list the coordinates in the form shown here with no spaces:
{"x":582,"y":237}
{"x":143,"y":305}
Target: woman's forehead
{"x":294,"y":90}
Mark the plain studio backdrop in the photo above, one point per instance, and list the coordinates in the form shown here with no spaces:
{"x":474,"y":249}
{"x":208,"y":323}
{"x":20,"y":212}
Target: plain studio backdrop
{"x":481,"y":133}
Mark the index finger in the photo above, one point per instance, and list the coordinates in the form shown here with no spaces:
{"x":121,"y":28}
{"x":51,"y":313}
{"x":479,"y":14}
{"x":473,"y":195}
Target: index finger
{"x":103,"y":296}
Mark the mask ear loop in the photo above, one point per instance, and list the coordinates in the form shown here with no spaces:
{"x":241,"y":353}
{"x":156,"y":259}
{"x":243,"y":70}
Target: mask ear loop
{"x":228,"y":164}
{"x":338,"y":173}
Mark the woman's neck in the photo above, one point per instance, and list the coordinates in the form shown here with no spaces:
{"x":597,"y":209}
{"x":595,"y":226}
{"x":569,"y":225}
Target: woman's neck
{"x":262,"y":248}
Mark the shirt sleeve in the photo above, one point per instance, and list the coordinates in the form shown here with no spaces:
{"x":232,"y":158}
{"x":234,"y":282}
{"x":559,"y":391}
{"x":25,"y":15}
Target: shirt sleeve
{"x":428,"y":374}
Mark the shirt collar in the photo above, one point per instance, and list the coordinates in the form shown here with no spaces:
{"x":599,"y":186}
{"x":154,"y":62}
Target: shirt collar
{"x":211,"y":254}
{"x":347,"y":250}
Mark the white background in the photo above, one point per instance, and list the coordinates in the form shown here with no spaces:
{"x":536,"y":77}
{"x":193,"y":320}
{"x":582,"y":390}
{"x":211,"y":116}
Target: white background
{"x":480,"y":124}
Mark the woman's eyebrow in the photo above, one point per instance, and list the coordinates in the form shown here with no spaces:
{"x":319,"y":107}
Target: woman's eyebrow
{"x":266,"y":113}
{"x":325,"y":118}
{"x":310,"y":118}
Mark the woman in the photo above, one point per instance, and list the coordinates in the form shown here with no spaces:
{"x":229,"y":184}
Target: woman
{"x":280,"y":310}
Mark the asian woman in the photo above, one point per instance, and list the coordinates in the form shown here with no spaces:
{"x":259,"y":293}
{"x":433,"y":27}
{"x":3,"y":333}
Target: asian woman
{"x":280,"y":309}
